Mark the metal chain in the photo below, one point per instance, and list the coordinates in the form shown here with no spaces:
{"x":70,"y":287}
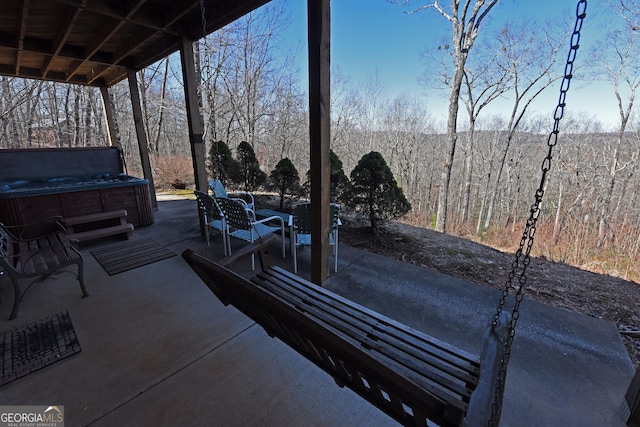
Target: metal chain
{"x":203,"y":19}
{"x":523,"y":254}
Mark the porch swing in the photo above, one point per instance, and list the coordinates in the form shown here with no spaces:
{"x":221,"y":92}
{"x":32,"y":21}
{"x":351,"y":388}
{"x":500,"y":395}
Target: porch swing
{"x":411,"y":376}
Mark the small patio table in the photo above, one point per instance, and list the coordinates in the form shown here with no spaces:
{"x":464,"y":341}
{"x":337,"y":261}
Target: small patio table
{"x":287,"y":218}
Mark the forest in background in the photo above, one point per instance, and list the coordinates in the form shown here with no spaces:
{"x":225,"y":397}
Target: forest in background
{"x":248,"y":93}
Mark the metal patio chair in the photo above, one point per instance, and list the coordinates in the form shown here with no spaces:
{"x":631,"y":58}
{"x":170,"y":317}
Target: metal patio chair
{"x":302,"y":230}
{"x":36,"y":257}
{"x":213,"y":217}
{"x":242,"y":196}
{"x":242,"y":224}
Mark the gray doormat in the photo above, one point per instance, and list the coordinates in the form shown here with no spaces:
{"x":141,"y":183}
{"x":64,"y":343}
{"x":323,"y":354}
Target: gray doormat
{"x":33,"y":346}
{"x":130,"y":254}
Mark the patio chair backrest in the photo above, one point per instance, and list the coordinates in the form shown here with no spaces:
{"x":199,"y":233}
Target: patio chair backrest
{"x":235,"y":213}
{"x":217,"y":188}
{"x":6,"y":246}
{"x":334,"y":211}
{"x":208,"y":205}
{"x":302,"y":217}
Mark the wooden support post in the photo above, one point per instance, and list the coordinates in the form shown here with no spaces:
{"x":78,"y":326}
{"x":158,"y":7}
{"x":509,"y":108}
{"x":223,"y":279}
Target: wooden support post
{"x":143,"y":146}
{"x":318,"y":13}
{"x":196,"y":127}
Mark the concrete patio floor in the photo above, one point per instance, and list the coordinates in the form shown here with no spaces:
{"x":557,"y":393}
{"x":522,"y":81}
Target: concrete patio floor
{"x":158,"y":349}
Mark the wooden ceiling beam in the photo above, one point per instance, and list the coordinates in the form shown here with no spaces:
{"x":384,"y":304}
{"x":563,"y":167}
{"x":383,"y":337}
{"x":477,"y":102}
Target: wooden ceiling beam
{"x":170,"y":17}
{"x":94,"y":42}
{"x":22,"y":31}
{"x":109,"y":30}
{"x":61,"y":37}
{"x":132,"y":44}
{"x":44,"y":47}
{"x":106,"y":9}
{"x":102,"y":37}
{"x":35,"y":73}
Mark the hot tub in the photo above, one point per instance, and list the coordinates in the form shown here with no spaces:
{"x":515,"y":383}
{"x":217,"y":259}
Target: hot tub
{"x":23,"y":188}
{"x":39,"y":194}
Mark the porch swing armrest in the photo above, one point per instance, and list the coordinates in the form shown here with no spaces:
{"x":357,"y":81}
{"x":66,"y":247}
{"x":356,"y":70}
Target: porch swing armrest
{"x":483,"y":398}
{"x":259,"y":246}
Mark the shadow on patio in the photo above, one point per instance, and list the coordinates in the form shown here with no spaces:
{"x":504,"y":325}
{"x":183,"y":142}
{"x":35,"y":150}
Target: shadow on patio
{"x":159,"y":349}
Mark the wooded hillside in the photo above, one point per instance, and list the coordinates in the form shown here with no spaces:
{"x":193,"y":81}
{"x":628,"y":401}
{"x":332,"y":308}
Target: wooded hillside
{"x":590,"y":215}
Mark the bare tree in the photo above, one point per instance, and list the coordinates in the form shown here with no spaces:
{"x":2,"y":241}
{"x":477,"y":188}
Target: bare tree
{"x":249,"y":92}
{"x":371,"y":96}
{"x":483,"y":82}
{"x":14,"y":94}
{"x":344,"y":106}
{"x":216,"y":52}
{"x":621,"y":66}
{"x":405,"y":124}
{"x":574,"y":175}
{"x":465,"y":18}
{"x":152,"y":101}
{"x":529,"y":53}
{"x":288,"y":125}
{"x":251,"y":82}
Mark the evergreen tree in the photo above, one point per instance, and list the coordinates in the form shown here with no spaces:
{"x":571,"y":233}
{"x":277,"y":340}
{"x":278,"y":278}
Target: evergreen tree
{"x":338,"y":180}
{"x":222,"y":165}
{"x":285,"y":179}
{"x":251,"y":175}
{"x":374,"y":190}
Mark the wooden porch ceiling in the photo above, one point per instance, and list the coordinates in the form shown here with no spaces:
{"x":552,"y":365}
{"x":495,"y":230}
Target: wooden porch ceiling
{"x":94,"y":42}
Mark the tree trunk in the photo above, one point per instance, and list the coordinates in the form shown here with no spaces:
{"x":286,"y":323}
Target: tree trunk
{"x":602,"y":226}
{"x":76,"y":117}
{"x":494,"y":194}
{"x":452,"y":138}
{"x":87,"y":118}
{"x":163,"y":95}
{"x":468,"y":173}
{"x":556,"y":222}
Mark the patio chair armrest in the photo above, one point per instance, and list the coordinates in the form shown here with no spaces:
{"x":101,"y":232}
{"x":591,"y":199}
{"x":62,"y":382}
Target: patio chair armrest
{"x":271,"y":218}
{"x":244,"y":202}
{"x":235,"y":194}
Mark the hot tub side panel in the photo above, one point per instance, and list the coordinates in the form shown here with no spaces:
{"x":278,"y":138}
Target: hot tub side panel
{"x":136,"y":199}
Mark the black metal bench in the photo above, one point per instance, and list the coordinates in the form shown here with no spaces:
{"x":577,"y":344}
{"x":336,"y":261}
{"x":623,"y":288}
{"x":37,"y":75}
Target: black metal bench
{"x":410,"y":375}
{"x":37,"y":257}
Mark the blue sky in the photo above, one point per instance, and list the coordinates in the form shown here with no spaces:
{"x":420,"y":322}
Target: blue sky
{"x":374,"y":36}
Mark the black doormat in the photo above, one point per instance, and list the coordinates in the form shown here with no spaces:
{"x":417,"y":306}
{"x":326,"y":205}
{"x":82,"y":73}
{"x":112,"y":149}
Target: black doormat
{"x":130,"y":254}
{"x":33,"y":346}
